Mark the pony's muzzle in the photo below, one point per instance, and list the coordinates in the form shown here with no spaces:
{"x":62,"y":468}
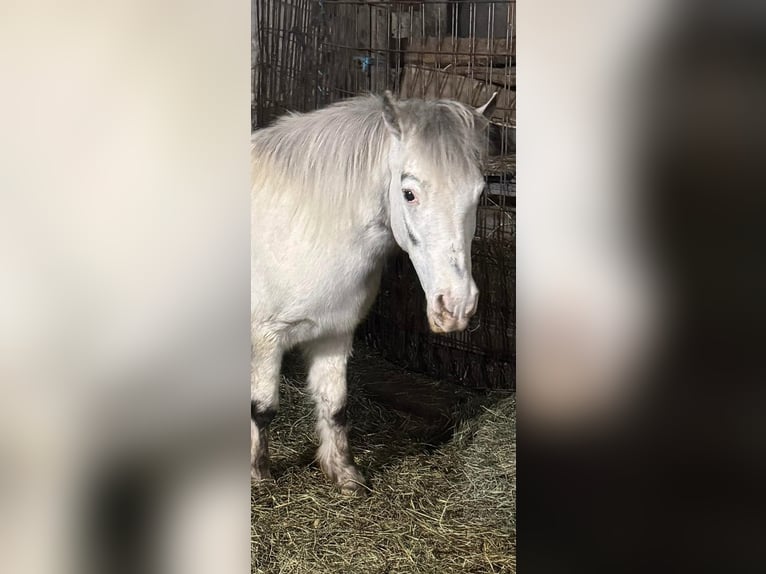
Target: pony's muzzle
{"x":447,"y":314}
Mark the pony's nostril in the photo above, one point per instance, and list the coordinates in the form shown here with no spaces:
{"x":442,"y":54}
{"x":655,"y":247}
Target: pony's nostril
{"x":439,"y":305}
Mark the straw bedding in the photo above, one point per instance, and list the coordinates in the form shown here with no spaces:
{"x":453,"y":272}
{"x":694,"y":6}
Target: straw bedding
{"x":442,"y":489}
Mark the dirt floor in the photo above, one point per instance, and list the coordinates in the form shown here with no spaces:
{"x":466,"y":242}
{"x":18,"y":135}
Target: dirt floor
{"x":440,"y":462}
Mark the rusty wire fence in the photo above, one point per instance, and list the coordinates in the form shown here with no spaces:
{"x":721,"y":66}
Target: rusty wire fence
{"x":310,"y":53}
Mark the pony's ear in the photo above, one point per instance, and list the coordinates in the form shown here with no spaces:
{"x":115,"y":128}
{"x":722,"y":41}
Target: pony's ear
{"x":391,"y":114}
{"x":487,"y":109}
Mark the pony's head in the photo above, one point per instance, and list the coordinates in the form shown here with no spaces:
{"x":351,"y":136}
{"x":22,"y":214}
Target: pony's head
{"x":436,"y":181}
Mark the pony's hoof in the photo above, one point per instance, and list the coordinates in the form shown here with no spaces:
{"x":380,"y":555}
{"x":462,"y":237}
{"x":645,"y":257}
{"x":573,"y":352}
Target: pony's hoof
{"x":352,"y":483}
{"x":346,"y":477}
{"x":258,"y":475}
{"x":353,"y":488}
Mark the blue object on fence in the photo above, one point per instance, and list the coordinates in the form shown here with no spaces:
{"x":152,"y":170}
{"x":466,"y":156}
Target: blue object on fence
{"x":365,"y":61}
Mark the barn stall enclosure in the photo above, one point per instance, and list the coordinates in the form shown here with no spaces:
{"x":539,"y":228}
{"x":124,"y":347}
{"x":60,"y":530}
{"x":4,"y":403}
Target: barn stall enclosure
{"x":433,"y":416}
{"x":308,"y":54}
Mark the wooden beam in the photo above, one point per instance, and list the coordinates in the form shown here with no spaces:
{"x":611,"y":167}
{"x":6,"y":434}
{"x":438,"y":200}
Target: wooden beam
{"x":430,"y":83}
{"x":460,"y":51}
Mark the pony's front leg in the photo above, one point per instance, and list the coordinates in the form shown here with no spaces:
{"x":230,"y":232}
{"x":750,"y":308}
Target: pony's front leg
{"x":264,"y":400}
{"x":327,"y":359}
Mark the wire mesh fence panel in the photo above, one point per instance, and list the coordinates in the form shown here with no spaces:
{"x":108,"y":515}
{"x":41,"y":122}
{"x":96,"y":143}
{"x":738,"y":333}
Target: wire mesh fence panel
{"x":310,"y":53}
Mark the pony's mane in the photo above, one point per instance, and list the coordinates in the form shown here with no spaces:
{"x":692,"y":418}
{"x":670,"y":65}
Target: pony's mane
{"x":332,"y":160}
{"x":332,"y":151}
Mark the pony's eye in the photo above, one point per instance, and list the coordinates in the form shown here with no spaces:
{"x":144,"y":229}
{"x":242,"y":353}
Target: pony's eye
{"x":408,"y":195}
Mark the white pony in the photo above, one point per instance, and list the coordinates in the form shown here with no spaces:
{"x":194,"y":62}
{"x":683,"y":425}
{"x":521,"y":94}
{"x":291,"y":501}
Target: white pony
{"x":333,"y":192}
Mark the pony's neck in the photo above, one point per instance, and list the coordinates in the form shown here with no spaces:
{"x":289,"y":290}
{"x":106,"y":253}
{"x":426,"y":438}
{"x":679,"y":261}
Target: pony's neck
{"x":377,"y":234}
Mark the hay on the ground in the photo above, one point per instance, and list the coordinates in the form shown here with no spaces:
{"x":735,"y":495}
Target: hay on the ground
{"x":441,"y":508}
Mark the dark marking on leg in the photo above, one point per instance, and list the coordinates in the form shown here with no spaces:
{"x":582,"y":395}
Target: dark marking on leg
{"x":340,"y":417}
{"x":261,"y":417}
